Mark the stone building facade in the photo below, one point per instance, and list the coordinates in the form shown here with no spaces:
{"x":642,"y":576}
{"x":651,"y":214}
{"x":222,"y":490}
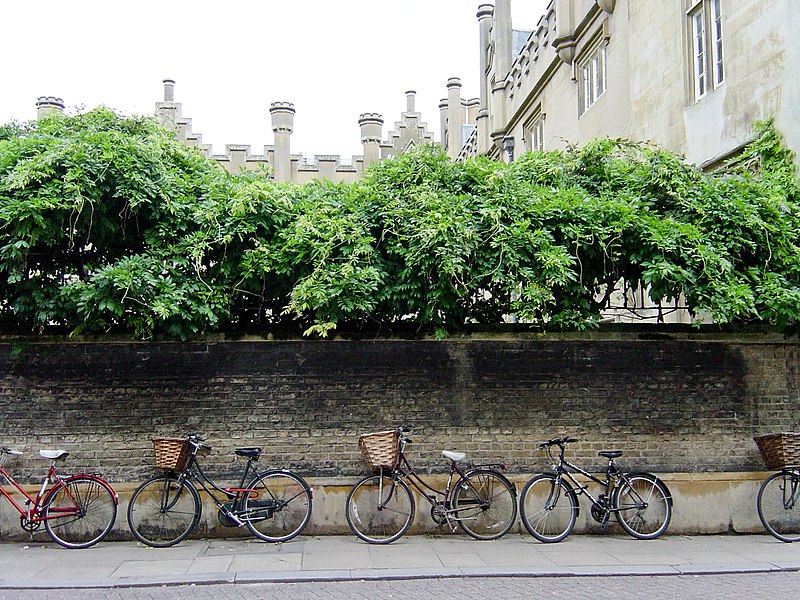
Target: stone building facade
{"x":691,"y":76}
{"x":409,"y":131}
{"x":688,"y":75}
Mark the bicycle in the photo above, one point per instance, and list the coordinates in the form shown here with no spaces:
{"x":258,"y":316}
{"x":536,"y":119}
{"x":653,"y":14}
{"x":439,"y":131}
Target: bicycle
{"x":77,"y":511}
{"x":777,"y":500}
{"x":641,"y":502}
{"x":777,"y":504}
{"x":275,"y":505}
{"x":381,"y":507}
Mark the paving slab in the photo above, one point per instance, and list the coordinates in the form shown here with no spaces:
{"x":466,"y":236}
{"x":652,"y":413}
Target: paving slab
{"x":140,"y":568}
{"x":336,"y":558}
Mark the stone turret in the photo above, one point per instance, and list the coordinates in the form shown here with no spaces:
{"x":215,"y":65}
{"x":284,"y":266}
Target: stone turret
{"x":46,"y":105}
{"x":455,"y":117}
{"x":502,"y":38}
{"x":371,"y":133}
{"x":282,"y":126}
{"x":411,"y":97}
{"x":168,"y":112}
{"x":443,"y":121}
{"x":169,"y":90}
{"x":485,"y":12}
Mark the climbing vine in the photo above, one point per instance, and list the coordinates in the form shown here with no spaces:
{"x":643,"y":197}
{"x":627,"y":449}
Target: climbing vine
{"x":108,"y":223}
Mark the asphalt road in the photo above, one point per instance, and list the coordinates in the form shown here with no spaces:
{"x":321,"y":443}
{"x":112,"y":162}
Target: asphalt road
{"x":669,"y":587}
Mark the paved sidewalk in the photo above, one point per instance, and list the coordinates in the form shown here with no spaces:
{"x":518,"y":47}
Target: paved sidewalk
{"x":333,"y":558}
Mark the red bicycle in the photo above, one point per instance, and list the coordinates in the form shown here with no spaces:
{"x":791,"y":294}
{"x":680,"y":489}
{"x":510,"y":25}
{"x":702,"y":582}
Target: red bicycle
{"x":77,"y":511}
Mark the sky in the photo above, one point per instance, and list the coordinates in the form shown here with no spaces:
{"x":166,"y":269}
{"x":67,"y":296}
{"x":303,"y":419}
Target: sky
{"x":230,"y":60}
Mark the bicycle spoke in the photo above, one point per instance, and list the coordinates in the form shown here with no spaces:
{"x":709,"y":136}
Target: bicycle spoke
{"x":485,"y":505}
{"x":777,"y":505}
{"x":380,"y":510}
{"x":548,"y":508}
{"x":163,"y":511}
{"x":642,"y":505}
{"x":279,"y":507}
{"x":80,"y":513}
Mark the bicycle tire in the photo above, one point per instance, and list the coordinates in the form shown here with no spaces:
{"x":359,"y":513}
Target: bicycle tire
{"x":380,"y":525}
{"x":778,"y":507}
{"x":643,"y":505}
{"x":485,"y":504}
{"x":164,"y":511}
{"x":97,"y":511}
{"x":548,"y":508}
{"x":282,"y":507}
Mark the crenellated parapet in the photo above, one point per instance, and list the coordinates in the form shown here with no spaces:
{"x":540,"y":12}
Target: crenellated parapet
{"x":371,"y":125}
{"x":46,"y":105}
{"x":278,"y":158}
{"x":409,"y":132}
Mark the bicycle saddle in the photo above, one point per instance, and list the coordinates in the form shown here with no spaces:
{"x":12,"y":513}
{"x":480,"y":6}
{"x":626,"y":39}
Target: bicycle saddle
{"x":610,"y":453}
{"x":454,"y":456}
{"x":53,"y":454}
{"x":248,"y":452}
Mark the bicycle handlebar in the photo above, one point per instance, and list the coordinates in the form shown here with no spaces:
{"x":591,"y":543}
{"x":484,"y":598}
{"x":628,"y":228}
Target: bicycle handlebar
{"x":560,"y":442}
{"x":198,"y":440}
{"x":5,"y":450}
{"x":401,"y":431}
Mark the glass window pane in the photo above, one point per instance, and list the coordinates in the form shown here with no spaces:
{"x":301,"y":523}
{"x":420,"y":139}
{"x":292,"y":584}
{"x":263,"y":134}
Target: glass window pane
{"x":699,"y":34}
{"x":716,"y":33}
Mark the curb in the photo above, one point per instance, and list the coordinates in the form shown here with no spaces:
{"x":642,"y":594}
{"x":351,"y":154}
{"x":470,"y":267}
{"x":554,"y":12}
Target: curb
{"x":403,"y":574}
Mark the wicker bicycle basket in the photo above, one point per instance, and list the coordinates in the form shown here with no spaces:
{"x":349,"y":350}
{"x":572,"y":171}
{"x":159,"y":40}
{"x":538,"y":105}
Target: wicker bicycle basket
{"x":171,"y":453}
{"x":779,"y":449}
{"x":381,"y":449}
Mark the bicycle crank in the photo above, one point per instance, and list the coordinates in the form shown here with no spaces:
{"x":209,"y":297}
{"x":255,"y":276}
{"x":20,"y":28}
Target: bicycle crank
{"x":28,"y":525}
{"x":600,"y":514}
{"x":439,"y":514}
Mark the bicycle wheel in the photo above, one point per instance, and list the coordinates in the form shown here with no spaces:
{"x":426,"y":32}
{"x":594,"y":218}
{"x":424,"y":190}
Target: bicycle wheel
{"x":81,"y":513}
{"x":643,"y":505}
{"x":485,"y":504}
{"x":548,"y":508}
{"x":163,"y":511}
{"x":380,"y":509}
{"x":777,"y":505}
{"x":279,"y":508}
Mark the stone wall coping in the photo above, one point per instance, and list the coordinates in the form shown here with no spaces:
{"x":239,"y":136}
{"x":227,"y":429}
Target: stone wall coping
{"x":623,"y":334}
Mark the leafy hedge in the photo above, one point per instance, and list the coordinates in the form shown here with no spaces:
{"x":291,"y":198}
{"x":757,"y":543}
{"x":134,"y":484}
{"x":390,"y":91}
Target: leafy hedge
{"x":110,"y":224}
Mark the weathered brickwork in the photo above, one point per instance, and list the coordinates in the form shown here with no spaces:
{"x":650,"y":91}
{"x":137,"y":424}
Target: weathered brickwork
{"x":672,"y":405}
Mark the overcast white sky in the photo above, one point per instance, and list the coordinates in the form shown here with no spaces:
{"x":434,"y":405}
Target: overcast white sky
{"x":333,"y":59}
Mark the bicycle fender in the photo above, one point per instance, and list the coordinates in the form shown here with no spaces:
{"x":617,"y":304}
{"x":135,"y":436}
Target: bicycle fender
{"x":46,"y":500}
{"x":569,"y":488}
{"x":478,"y":469}
{"x":658,"y":479}
{"x":99,"y":480}
{"x":287,"y":472}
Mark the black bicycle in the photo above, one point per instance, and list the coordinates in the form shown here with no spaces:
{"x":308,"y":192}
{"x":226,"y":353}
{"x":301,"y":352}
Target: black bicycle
{"x":778,"y":504}
{"x":549,"y":507}
{"x":275,"y":505}
{"x":381,"y":507}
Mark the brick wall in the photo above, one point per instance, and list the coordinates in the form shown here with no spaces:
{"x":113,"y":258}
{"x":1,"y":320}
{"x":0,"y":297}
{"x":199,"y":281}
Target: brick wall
{"x":673,"y":404}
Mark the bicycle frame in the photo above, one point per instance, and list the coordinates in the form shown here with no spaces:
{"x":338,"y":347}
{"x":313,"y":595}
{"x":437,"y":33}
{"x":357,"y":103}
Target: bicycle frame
{"x":564,"y":468}
{"x":405,"y":472}
{"x":234,"y":496}
{"x":35,"y":506}
{"x":193,"y":471}
{"x":790,"y":499}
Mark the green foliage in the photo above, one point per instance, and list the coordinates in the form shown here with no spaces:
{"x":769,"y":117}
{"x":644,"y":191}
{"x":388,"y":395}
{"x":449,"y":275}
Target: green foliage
{"x":110,"y":224}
